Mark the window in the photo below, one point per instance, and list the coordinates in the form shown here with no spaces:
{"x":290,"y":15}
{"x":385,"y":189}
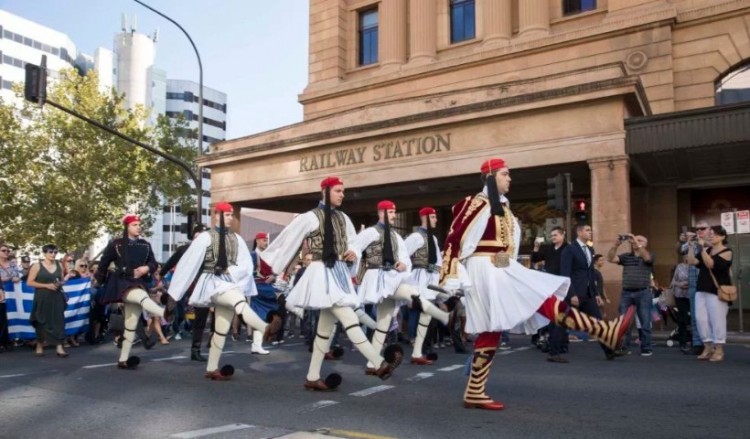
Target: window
{"x":462,"y":20}
{"x":27,"y":41}
{"x":577,"y":6}
{"x":368,"y":37}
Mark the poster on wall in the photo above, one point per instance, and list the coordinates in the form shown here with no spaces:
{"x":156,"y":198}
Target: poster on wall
{"x":743,"y":221}
{"x":727,"y":221}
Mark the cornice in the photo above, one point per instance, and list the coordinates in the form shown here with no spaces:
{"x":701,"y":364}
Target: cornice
{"x":435,"y":115}
{"x":712,"y":11}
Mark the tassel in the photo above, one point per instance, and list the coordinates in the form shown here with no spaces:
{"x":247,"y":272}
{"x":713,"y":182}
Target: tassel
{"x":221,"y":262}
{"x":329,"y":251}
{"x":494,"y":196}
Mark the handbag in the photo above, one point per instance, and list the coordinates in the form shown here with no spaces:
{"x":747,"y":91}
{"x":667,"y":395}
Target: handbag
{"x":116,"y":321}
{"x":727,"y":293}
{"x":667,"y":297}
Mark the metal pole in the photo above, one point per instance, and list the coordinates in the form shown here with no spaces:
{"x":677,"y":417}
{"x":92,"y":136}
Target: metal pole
{"x":739,"y":281}
{"x":568,"y":204}
{"x":199,"y":201}
{"x":150,"y":148}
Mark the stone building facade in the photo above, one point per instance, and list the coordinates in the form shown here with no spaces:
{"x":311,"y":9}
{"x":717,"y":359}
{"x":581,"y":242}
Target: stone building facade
{"x":551,"y":86}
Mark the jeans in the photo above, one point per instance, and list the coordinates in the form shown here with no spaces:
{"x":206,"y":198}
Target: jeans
{"x":683,"y":319}
{"x":642,"y":300}
{"x":693,"y":324}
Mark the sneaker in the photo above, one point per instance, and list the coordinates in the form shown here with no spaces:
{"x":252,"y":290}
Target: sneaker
{"x":647,"y":353}
{"x":504,"y":346}
{"x":177,"y":336}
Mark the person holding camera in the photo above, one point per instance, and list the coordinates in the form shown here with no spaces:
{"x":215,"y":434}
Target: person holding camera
{"x":713,"y":264}
{"x":637,"y":265}
{"x":702,"y":231}
{"x":48,"y":308}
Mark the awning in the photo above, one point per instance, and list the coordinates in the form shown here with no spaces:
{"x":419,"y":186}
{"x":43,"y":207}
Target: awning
{"x":690,"y":147}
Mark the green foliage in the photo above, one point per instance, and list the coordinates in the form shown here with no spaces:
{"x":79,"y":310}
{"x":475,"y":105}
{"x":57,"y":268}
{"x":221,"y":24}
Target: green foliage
{"x":63,"y":181}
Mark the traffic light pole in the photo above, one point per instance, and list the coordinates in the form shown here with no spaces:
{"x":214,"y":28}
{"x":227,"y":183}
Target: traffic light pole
{"x":175,"y":160}
{"x":35,"y":90}
{"x":568,"y":203}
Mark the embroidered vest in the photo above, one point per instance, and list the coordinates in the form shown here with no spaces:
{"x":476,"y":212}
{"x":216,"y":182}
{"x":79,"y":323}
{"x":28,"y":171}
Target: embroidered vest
{"x":212,"y":251}
{"x":420,"y":258}
{"x":374,"y":251}
{"x":315,"y":239}
{"x":498,"y":234}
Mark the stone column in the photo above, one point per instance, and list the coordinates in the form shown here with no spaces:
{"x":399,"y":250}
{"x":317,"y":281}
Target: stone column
{"x":498,"y":21}
{"x":422,"y":30}
{"x":610,"y":212}
{"x":533,"y":17}
{"x":392,"y":32}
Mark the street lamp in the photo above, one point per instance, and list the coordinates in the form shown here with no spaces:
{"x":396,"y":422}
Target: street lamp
{"x":199,"y":201}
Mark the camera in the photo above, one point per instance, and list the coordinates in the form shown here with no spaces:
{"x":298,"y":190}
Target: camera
{"x":623,"y":237}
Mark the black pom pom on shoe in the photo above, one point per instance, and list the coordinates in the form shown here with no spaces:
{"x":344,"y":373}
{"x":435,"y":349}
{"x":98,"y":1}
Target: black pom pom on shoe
{"x":227,"y":370}
{"x":333,"y":381}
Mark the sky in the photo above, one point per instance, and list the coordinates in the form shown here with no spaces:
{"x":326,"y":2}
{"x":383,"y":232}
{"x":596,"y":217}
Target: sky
{"x":255,"y":51}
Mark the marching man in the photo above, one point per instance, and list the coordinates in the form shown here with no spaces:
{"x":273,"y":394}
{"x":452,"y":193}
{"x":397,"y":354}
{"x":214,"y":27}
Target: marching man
{"x":386,"y":279}
{"x":502,"y":295}
{"x":327,"y":284}
{"x":134,"y":264}
{"x":226,"y":277}
{"x":424,"y":249}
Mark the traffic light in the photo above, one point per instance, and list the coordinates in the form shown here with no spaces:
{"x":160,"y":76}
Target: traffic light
{"x":556,"y":193}
{"x":581,"y":215}
{"x":35,"y":85}
{"x":190,"y":223}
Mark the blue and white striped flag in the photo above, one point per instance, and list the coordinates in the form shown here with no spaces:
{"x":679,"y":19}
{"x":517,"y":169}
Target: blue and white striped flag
{"x":19,"y":298}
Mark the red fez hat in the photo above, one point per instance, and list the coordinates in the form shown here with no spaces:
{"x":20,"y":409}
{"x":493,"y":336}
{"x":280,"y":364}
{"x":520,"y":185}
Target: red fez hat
{"x":426,"y":211}
{"x":223,"y":207}
{"x":330,"y":182}
{"x":492,"y":165}
{"x":130,"y":218}
{"x":386,"y":204}
{"x":261,"y":235}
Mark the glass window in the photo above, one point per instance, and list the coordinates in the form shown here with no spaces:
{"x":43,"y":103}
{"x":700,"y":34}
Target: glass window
{"x":17,"y":38}
{"x":368,"y":37}
{"x":8,"y":34}
{"x":37,"y":45}
{"x":187,"y":96}
{"x":27,"y":41}
{"x":576,"y":6}
{"x":462,"y":20}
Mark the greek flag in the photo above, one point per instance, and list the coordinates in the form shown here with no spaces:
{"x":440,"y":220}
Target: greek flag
{"x":19,"y":297}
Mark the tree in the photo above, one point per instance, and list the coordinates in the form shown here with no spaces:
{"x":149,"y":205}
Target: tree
{"x":64,"y":181}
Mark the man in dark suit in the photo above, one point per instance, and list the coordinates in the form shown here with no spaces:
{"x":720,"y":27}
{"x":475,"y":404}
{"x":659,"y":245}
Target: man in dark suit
{"x":552,"y":257}
{"x":577,"y":263}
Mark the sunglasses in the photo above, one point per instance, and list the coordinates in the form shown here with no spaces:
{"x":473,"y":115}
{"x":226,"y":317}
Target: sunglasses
{"x":701,"y":228}
{"x":54,"y":252}
{"x":83,"y":266}
{"x":5,"y":250}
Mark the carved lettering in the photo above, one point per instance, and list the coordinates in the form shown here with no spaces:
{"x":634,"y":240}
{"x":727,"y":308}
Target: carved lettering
{"x":386,"y":150}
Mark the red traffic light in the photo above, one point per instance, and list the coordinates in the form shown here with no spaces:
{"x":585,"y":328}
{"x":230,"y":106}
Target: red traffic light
{"x":580,"y":205}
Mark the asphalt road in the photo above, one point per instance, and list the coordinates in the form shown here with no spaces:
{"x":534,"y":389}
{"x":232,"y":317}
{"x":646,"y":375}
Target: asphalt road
{"x":85,"y":396}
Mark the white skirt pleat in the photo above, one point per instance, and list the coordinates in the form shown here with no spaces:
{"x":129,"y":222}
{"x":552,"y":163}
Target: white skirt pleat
{"x":506,"y":299}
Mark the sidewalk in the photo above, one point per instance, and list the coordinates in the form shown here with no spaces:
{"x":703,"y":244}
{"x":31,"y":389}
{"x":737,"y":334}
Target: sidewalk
{"x":732,"y":337}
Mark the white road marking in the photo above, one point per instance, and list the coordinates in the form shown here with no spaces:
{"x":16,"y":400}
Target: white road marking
{"x":290,"y":345}
{"x":210,"y":431}
{"x":14,"y":375}
{"x":94,"y":366}
{"x":176,"y":357}
{"x":525,"y":348}
{"x":420,"y":376}
{"x":318,"y":405}
{"x":451,"y":368}
{"x":371,"y":390}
